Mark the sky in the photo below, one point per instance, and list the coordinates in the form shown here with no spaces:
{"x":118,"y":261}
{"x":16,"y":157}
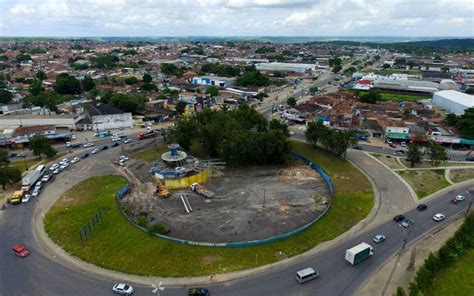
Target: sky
{"x":76,"y":18}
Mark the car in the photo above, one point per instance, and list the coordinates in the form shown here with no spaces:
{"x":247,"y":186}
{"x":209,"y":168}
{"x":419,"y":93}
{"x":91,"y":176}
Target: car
{"x":63,"y":166}
{"x":421,"y":207}
{"x":96,"y":150}
{"x":398,"y":218}
{"x":198,"y":292}
{"x":403,"y":144}
{"x":87,"y":145}
{"x":20,"y":251}
{"x":75,"y":159}
{"x":378,"y":238}
{"x":392,"y":145}
{"x":404,"y":224}
{"x":115,"y":139}
{"x":105,"y":147}
{"x":470,"y":158}
{"x":127,"y":141}
{"x":460,"y":198}
{"x":64,"y":160}
{"x":438,"y":217}
{"x":410,"y":221}
{"x":73,"y":137}
{"x":115,"y":144}
{"x":53,"y":167}
{"x":13,"y":155}
{"x":121,"y":163}
{"x":291,"y":133}
{"x":68,"y":144}
{"x":85,"y":155}
{"x":46,"y":178}
{"x":56,"y":171}
{"x":25,"y":198}
{"x":123,"y":289}
{"x":75,"y":145}
{"x":357,"y":147}
{"x":123,"y":157}
{"x":35,"y":193}
{"x":399,"y":152}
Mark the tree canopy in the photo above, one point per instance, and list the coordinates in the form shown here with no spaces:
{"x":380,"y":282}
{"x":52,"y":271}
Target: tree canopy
{"x":147,"y":78}
{"x":253,"y":77}
{"x":88,"y":83}
{"x":332,"y":140}
{"x":464,"y":123}
{"x":221,"y":70}
{"x":66,"y":84}
{"x":5,"y":96}
{"x":371,"y":97}
{"x":127,"y":103}
{"x":336,"y":63}
{"x":291,"y":101}
{"x":212,"y":90}
{"x":41,"y":75}
{"x":241,"y":136}
{"x":171,"y":70}
{"x":39,"y":144}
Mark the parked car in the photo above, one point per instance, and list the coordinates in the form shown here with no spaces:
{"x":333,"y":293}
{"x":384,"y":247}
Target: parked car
{"x":378,"y":238}
{"x":25,"y":198}
{"x":399,"y":152}
{"x":470,"y":158}
{"x":75,"y":159}
{"x":403,"y":144}
{"x":46,"y":178}
{"x":127,"y":141}
{"x":20,"y":251}
{"x":56,"y":171}
{"x":96,"y":150}
{"x":398,"y":218}
{"x":35,"y":193}
{"x":53,"y":167}
{"x":438,"y":217}
{"x":13,"y":155}
{"x":122,"y":289}
{"x":123,"y":157}
{"x":85,"y":155}
{"x":63,"y":166}
{"x":421,"y":207}
{"x":64,"y":160}
{"x":392,"y":145}
{"x":198,"y":292}
{"x":87,"y":145}
{"x":105,"y":147}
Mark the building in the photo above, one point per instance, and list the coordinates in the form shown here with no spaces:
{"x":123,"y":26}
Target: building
{"x":213,"y":80}
{"x":24,"y":120}
{"x":101,"y":117}
{"x":453,"y":101}
{"x":399,"y":133}
{"x":285,"y":67}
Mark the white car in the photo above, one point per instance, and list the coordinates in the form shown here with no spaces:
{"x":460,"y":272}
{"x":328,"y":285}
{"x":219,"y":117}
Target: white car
{"x":38,"y":185}
{"x":438,"y":217}
{"x":123,"y":289}
{"x":35,"y":193}
{"x":121,"y":163}
{"x":115,"y":139}
{"x":64,"y":161}
{"x":25,"y":198}
{"x":75,"y":159}
{"x":53,"y":167}
{"x":378,"y":238}
{"x":94,"y":151}
{"x":460,"y":198}
{"x":123,"y":157}
{"x":63,"y":166}
{"x":56,"y":171}
{"x":46,"y":178}
{"x":87,"y":145}
{"x":403,"y":144}
{"x":127,"y":141}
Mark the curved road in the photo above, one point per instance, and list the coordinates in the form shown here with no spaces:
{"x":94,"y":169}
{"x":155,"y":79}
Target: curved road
{"x":41,"y":274}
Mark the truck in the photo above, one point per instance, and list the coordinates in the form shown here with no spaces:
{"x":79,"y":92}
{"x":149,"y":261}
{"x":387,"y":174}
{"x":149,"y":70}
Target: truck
{"x":16,"y":197}
{"x":30,"y":179}
{"x":147,"y":135}
{"x":292,"y":115}
{"x":199,"y":189}
{"x":359,"y":253}
{"x":119,"y":134}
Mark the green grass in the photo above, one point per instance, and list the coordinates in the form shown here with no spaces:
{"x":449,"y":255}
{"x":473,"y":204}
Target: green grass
{"x":461,"y":175}
{"x":20,"y":164}
{"x":386,"y":96}
{"x":117,"y":245}
{"x":148,"y":155}
{"x":457,"y":279}
{"x":425,"y":182}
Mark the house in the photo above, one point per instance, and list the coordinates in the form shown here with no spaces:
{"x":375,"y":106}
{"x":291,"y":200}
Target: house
{"x":103,"y":117}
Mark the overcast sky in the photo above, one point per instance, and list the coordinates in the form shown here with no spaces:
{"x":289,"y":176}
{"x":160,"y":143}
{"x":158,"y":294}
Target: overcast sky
{"x":237,"y":18}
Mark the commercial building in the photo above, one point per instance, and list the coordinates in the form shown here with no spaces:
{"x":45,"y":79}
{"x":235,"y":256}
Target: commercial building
{"x":453,"y":101}
{"x":395,"y":132}
{"x":285,"y":67}
{"x":104,"y":117}
{"x":213,"y":80}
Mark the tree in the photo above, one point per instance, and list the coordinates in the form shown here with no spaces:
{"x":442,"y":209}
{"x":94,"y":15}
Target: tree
{"x":149,"y":87}
{"x":291,"y":102}
{"x":39,"y":144}
{"x":213,"y":91}
{"x":23,"y":57}
{"x":261,"y":95}
{"x":315,"y":131}
{"x":336,"y":63}
{"x":41,"y":75}
{"x":451,"y":119}
{"x":350,"y":71}
{"x":252,"y":77}
{"x":9,"y":175}
{"x":470,"y":91}
{"x":372,"y":97}
{"x":36,"y":88}
{"x":180,"y":107}
{"x":147,"y":78}
{"x":66,"y":84}
{"x":445,"y":69}
{"x":465,"y":124}
{"x":131,"y":80}
{"x":313,"y":90}
{"x":438,"y":153}
{"x":88,"y":83}
{"x":4,"y":158}
{"x":171,"y":69}
{"x":126,"y":103}
{"x":386,"y":66}
{"x":5,"y":96}
{"x":414,"y":154}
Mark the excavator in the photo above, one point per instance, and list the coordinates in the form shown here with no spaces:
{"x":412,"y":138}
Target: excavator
{"x":161,"y":190}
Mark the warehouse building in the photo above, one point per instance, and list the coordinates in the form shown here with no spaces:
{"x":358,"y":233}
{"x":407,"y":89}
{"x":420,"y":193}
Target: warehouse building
{"x":213,"y":80}
{"x":285,"y":67}
{"x":453,"y":101}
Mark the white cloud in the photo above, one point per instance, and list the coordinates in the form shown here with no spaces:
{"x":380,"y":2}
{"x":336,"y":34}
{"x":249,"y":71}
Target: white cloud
{"x":237,"y":17}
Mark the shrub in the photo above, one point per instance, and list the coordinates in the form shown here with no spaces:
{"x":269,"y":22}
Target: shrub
{"x":141,"y":220}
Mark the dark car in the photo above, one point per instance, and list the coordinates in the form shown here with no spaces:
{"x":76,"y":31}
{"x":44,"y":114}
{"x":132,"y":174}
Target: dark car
{"x":398,"y":218}
{"x":13,"y":154}
{"x":104,"y":148}
{"x":421,"y":207}
{"x":75,"y":145}
{"x":470,"y":158}
{"x":115,"y":144}
{"x":85,"y":155}
{"x":357,"y":147}
{"x":198,"y":292}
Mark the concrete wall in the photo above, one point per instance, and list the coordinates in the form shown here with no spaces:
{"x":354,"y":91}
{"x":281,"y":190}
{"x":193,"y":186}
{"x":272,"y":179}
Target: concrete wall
{"x":104,"y":122}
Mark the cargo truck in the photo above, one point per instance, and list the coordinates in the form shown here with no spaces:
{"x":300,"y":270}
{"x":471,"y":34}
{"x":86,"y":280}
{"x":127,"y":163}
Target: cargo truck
{"x":30,"y":179}
{"x":147,"y":135}
{"x":359,"y":253}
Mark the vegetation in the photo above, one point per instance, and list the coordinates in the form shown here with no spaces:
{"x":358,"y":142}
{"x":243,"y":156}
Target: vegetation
{"x":420,"y":147}
{"x":370,"y":97}
{"x":131,"y":80}
{"x":449,"y":271}
{"x":334,"y":141}
{"x":252,"y":77}
{"x":39,"y":144}
{"x":241,"y":136}
{"x":459,"y":175}
{"x":221,"y":70}
{"x":23,"y":57}
{"x":386,"y":96}
{"x":127,"y":103}
{"x":147,"y":78}
{"x":336,"y":63}
{"x":8,"y":175}
{"x":291,"y":101}
{"x":425,"y":182}
{"x":41,"y":75}
{"x":105,"y":61}
{"x":352,"y":202}
{"x":264,"y":50}
{"x":464,"y":123}
{"x":171,"y":70}
{"x":212,"y":90}
{"x":87,"y":83}
{"x":67,"y":85}
{"x":148,"y":155}
{"x":5,"y":96}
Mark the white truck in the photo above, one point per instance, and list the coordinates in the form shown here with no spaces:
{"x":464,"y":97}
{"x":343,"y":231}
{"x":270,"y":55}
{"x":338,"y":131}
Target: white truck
{"x":293,"y":115}
{"x":30,"y":179}
{"x":359,"y":253}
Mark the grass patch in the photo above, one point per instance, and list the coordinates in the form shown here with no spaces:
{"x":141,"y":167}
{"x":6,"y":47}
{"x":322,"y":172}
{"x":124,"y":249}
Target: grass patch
{"x":386,"y":96}
{"x":425,"y":182}
{"x":456,"y":279}
{"x":149,"y":154}
{"x":390,"y":161}
{"x":20,"y":164}
{"x":115,"y":244}
{"x":461,"y":175}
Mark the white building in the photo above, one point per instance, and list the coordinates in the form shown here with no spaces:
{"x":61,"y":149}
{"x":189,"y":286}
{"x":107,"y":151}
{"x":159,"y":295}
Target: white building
{"x":453,"y":101}
{"x":285,"y":67}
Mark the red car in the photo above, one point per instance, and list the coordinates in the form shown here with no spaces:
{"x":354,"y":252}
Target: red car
{"x":20,"y":251}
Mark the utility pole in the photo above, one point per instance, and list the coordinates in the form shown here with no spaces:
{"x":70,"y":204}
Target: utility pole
{"x":264,"y":191}
{"x":405,"y":234}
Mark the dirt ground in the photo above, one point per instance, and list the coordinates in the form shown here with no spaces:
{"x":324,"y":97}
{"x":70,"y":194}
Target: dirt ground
{"x":249,"y":203}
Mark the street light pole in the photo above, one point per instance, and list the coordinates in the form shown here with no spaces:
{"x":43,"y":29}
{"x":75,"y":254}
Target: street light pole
{"x":405,"y":234}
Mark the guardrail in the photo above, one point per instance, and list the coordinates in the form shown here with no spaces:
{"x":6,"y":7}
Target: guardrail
{"x":123,"y":191}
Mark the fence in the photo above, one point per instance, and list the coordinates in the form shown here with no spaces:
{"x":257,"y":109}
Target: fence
{"x":187,"y":181}
{"x":87,"y":229}
{"x":314,"y":166}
